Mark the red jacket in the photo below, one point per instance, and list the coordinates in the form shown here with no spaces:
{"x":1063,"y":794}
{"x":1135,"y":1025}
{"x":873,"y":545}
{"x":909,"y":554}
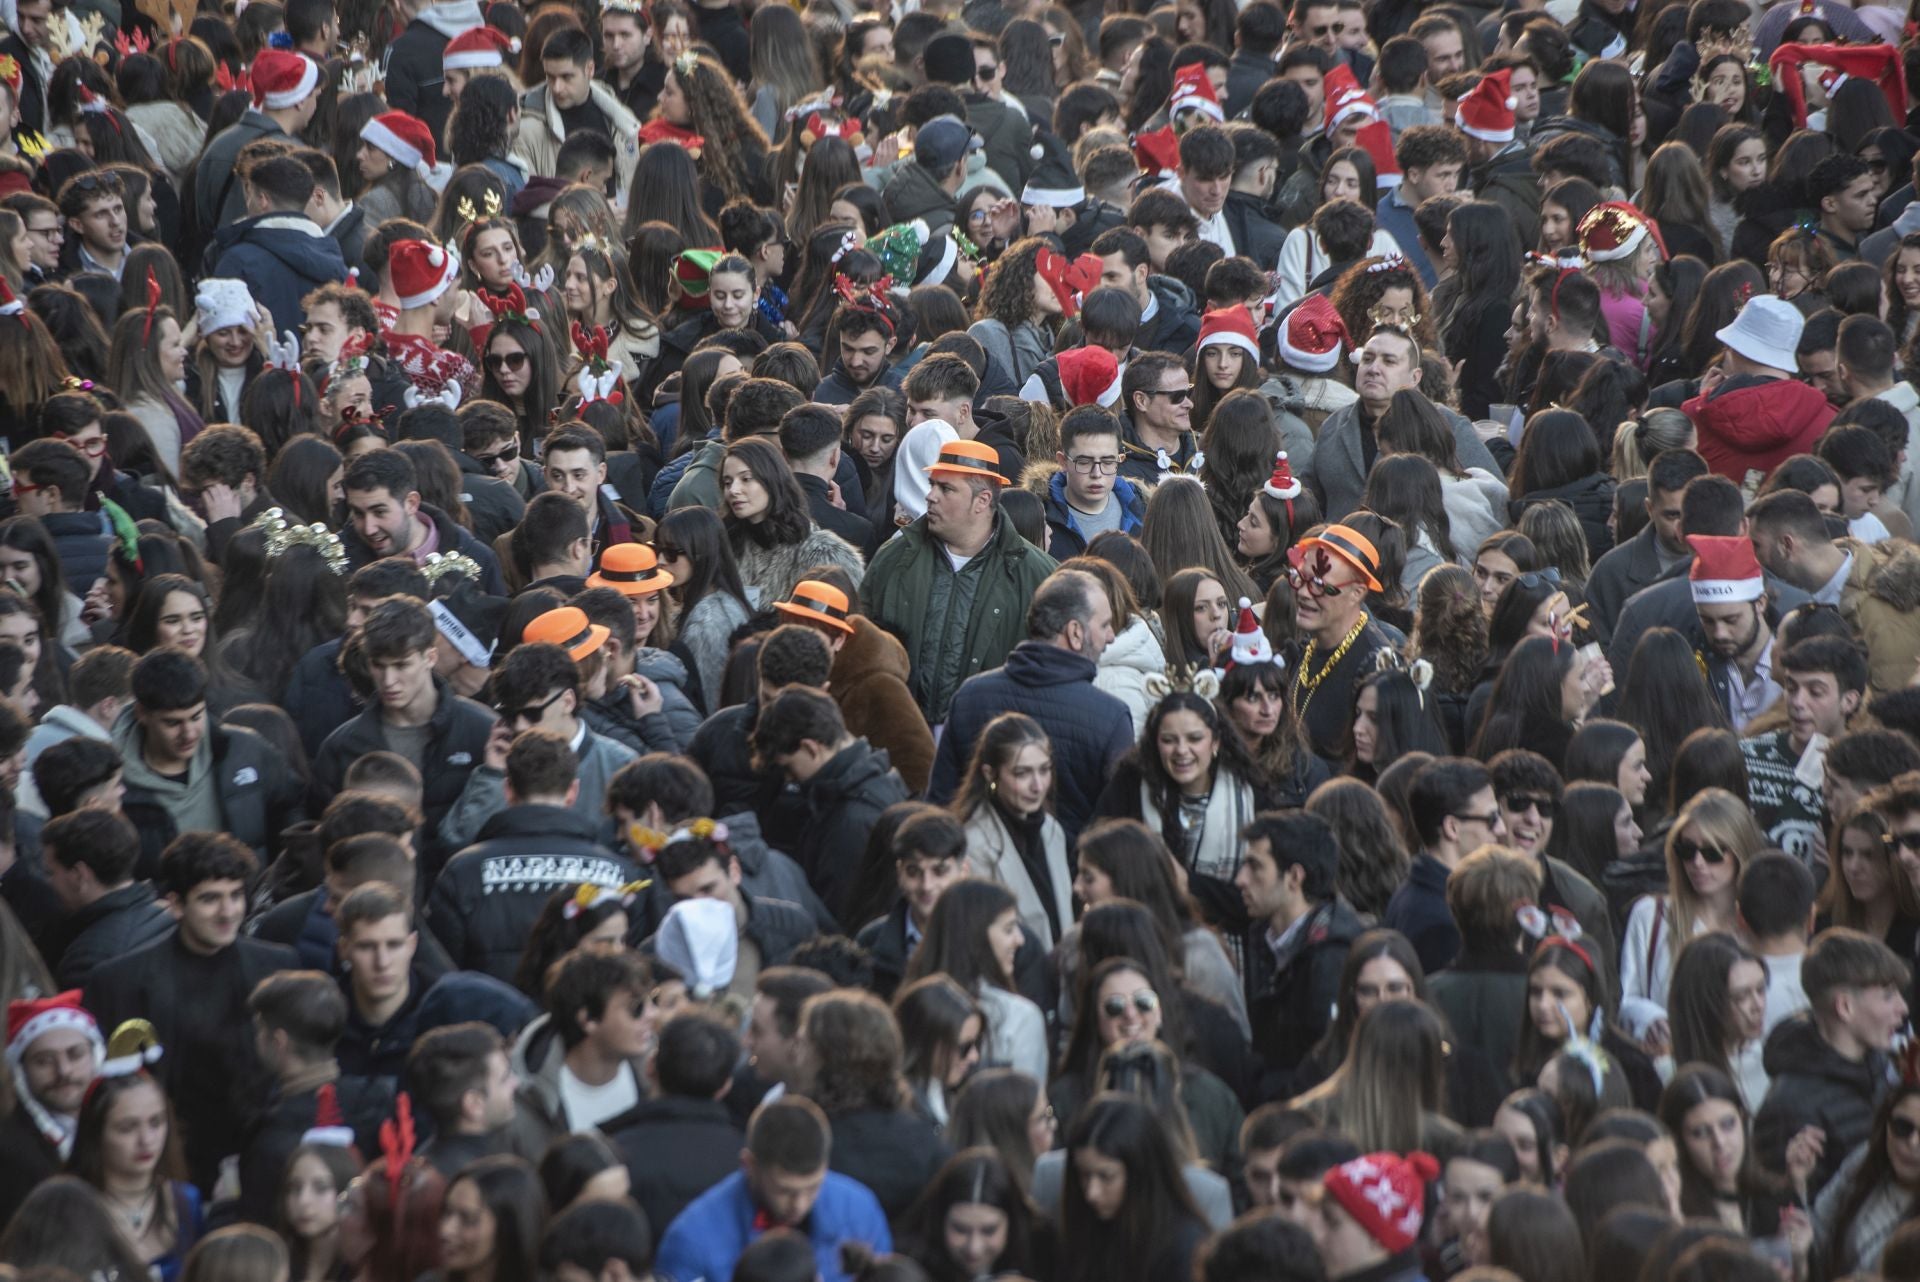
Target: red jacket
{"x":1752,"y":428}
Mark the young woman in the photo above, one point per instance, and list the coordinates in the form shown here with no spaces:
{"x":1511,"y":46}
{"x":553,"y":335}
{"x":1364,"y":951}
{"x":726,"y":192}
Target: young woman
{"x":170,"y":610}
{"x":521,"y":370}
{"x":1349,"y":174}
{"x":1012,"y":837}
{"x":1539,"y":698}
{"x":1873,"y":1191}
{"x":1675,"y":198}
{"x":1720,"y":1176}
{"x":1384,"y":291}
{"x":972,"y":1221}
{"x":1478,"y":249}
{"x":393,"y":188}
{"x":1179,"y":532}
{"x":1241,"y":442}
{"x":1271,"y":525}
{"x":574,"y":917}
{"x":1391,"y":1093}
{"x":1631,"y":251}
{"x":699,"y":97}
{"x":1709,"y":844}
{"x":1007,"y":1112}
{"x":30,"y":565}
{"x":1736,"y":164}
{"x":146,"y":364}
{"x":303,"y":605}
{"x":1565,"y":989}
{"x":127,"y":1146}
{"x":1594,"y":828}
{"x":309,"y":1210}
{"x":1474,"y":500}
{"x":941,"y":1032}
{"x":1867,"y":890}
{"x":772,"y":534}
{"x":1482,"y":1169}
{"x":1222,"y":366}
{"x":1559,"y":458}
{"x":1670,"y":295}
{"x":1531,"y":1123}
{"x":710,"y":600}
{"x":1381,"y":966}
{"x":972,"y":937}
{"x":482,"y":131}
{"x":1405,"y":489}
{"x":1497,"y":562}
{"x":1125,"y":1213}
{"x":1718,"y":1005}
{"x":1900,"y":286}
{"x":490,"y":1222}
{"x":1392,"y":716}
{"x":732,"y":291}
{"x":755,"y":234}
{"x":1020,"y":308}
{"x":1561,"y":209}
{"x":1611,"y":752}
{"x":1665,"y":702}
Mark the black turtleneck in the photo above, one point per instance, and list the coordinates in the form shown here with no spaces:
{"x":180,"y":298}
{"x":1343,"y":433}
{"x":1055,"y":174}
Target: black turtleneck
{"x":1029,"y":838}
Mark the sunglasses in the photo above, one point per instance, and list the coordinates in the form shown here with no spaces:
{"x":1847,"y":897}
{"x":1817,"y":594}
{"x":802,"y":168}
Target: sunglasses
{"x":1177,"y":395}
{"x":1688,"y":851}
{"x":667,"y":552}
{"x":1315,"y":584}
{"x":1487,"y":820}
{"x":515,"y":361}
{"x":95,"y":180}
{"x":1146,"y":1001}
{"x":1904,"y":1129}
{"x":509,"y":454}
{"x":531,"y":711}
{"x":1521,"y":803}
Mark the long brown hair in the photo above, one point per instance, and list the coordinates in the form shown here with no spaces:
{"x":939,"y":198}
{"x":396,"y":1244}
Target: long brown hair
{"x":716,"y":113}
{"x":996,"y":748}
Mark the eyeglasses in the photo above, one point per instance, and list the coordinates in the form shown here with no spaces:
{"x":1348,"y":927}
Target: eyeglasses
{"x":92,"y":447}
{"x":21,"y":487}
{"x":515,"y":361}
{"x":1056,"y":38}
{"x":509,"y":454}
{"x":1086,"y":465}
{"x":1487,"y":820}
{"x":1687,"y":851}
{"x":1521,"y":803}
{"x":1146,"y":1001}
{"x":1904,"y":1129}
{"x":1907,"y":841}
{"x":1315,"y":584}
{"x":1176,"y":395}
{"x":52,"y":234}
{"x":530,"y":712}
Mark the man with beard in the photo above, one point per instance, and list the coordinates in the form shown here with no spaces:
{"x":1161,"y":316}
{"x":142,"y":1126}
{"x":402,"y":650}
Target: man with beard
{"x":1729,"y":597}
{"x":53,"y":1053}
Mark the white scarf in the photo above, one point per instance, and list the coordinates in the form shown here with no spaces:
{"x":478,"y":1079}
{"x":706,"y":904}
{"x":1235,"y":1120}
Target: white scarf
{"x":1215,"y":850}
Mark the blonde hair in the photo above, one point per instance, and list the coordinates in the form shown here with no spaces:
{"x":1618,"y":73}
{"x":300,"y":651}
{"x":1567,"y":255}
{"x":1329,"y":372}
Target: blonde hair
{"x":1718,"y":817}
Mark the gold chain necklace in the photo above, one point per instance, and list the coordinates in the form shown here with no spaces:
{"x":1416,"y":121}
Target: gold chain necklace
{"x":1301,"y":681}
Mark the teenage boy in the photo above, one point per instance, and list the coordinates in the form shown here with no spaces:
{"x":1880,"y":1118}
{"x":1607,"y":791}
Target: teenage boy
{"x":385,"y":517}
{"x":769,"y":929}
{"x":192,"y":987}
{"x":89,"y":858}
{"x":678,"y":1142}
{"x":1842,"y":189}
{"x":460,"y":1076}
{"x":1454,"y":813}
{"x":1659,"y":546}
{"x":489,"y":896}
{"x":349,"y":837}
{"x":377,"y":945}
{"x":413,"y":713}
{"x":1370,"y":1216}
{"x":1432,"y":159}
{"x":575,"y":461}
{"x":1829,"y":1068}
{"x":1776,"y":916}
{"x":929,"y":854}
{"x":1824,"y":681}
{"x":51,"y":482}
{"x":584,"y":1064}
{"x":598,"y":1241}
{"x":94,"y":205}
{"x":810,"y":437}
{"x":1088,"y":496}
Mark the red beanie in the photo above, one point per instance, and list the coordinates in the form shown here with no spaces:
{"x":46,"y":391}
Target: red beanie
{"x":1385,"y":1194}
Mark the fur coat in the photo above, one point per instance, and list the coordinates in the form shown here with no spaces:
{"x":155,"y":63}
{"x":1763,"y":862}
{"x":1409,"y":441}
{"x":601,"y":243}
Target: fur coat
{"x":770,"y":573}
{"x":869,"y":683}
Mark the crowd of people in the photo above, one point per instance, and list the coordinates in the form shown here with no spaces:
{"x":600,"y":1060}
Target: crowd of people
{"x":687,"y":641}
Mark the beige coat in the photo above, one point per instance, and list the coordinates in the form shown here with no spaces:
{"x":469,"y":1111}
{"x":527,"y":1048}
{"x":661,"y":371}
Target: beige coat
{"x":994,"y":857}
{"x":541,"y":132}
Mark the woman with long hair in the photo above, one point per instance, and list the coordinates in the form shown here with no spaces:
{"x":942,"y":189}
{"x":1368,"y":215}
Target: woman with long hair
{"x":700,"y":97}
{"x":731,"y":304}
{"x":597,"y":923}
{"x":126,"y":1145}
{"x":1479,"y":251}
{"x":1373,"y":859}
{"x":307,"y":1212}
{"x":1392,"y":716}
{"x":1797,"y":262}
{"x":1566,"y":1000}
{"x":30,"y":566}
{"x":1405,"y":489}
{"x":1012,"y":837}
{"x":773,"y":537}
{"x":1474,"y":500}
{"x":666,"y":191}
{"x":1720,"y":1175}
{"x":1559,"y":458}
{"x":1873,"y":1191}
{"x":1180,"y":531}
{"x":1450,"y":633}
{"x":1223,"y":366}
{"x":1537,"y":701}
{"x":1019,"y":310}
{"x":1718,"y":1011}
{"x":1348,"y":174}
{"x":710,"y":600}
{"x":1675,"y":198}
{"x":1272,"y":524}
{"x":1900,"y":286}
{"x":1736,"y":163}
{"x":481,"y":132}
{"x":491,"y":1221}
{"x":304,"y":604}
{"x":36,"y":358}
{"x":1670,"y":294}
{"x":1561,"y":208}
{"x":1007,"y":1112}
{"x":597,"y":288}
{"x":1710,"y":842}
{"x":1610,"y":752}
{"x":1381,"y":966}
{"x":521,"y":370}
{"x":1254,"y":698}
{"x":972,"y":938}
{"x":1384,"y":290}
{"x":973,"y":1220}
{"x":1721,"y":296}
{"x":785,"y":72}
{"x":225,"y":360}
{"x":941,"y":1031}
{"x":1125,"y":1212}
{"x":1390,"y":1094}
{"x":393,"y":187}
{"x":1867,"y":889}
{"x":1594,"y":827}
{"x":1240,"y":443}
{"x":305,"y":478}
{"x":1665,"y":697}
{"x":683,"y":425}
{"x":146,"y":365}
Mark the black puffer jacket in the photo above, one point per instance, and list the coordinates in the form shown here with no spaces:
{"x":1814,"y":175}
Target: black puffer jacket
{"x":1590,"y":497}
{"x":489,"y":896}
{"x":843,"y":800}
{"x":1814,"y":1085}
{"x":84,"y":541}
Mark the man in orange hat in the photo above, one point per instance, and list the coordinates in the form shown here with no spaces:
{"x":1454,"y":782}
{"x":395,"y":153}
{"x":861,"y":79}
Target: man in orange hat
{"x":1331,"y":575}
{"x":954,"y":585}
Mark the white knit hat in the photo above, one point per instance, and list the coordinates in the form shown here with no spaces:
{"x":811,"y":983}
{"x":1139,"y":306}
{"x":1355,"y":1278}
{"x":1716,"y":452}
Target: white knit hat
{"x":221,"y":302}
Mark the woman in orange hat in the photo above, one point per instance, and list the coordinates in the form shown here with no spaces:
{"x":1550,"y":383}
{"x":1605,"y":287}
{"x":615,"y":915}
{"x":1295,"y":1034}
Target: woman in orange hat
{"x":634,"y":571}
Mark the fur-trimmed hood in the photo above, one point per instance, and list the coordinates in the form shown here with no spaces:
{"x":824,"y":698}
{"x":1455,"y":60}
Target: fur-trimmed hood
{"x":1893,"y":577}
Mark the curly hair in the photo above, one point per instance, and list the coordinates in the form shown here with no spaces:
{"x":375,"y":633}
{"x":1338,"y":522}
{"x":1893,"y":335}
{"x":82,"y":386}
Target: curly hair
{"x":480,"y":127}
{"x":717,"y":114}
{"x":1361,"y":287}
{"x":1450,"y":627}
{"x":1008,"y":294}
{"x":857,"y":1052}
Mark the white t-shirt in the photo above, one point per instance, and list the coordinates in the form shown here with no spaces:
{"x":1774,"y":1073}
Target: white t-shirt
{"x":1785,"y":996}
{"x":588,"y":1106}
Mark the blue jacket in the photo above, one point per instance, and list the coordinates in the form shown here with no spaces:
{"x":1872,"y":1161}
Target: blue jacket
{"x":283,"y":257}
{"x":1393,"y":216}
{"x":1090,"y":729}
{"x":1418,"y":910}
{"x":705,"y":1241}
{"x":1064,"y":536}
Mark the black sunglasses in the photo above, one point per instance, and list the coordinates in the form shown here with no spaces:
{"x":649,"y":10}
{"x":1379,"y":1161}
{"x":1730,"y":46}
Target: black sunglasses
{"x":1909,"y":841}
{"x":531,"y":711}
{"x":1520,"y":802}
{"x":1688,"y":851}
{"x":497,"y":361}
{"x":1903,"y":1129}
{"x":508,"y":455}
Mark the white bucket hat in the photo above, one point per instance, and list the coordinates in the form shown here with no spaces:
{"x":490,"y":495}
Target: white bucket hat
{"x":1767,"y":332}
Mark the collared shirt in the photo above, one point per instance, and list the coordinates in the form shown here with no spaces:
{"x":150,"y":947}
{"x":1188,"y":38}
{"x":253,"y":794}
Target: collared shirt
{"x":1829,"y":592}
{"x":89,"y":263}
{"x":1746,"y":699}
{"x":1278,"y":943}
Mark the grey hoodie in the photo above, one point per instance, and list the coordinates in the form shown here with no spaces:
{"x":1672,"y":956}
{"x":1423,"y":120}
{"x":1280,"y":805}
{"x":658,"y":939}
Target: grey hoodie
{"x":193,"y":802}
{"x":452,"y":17}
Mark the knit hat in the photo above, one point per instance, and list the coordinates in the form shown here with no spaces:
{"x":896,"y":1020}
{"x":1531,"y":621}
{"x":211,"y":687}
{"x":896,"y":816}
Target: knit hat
{"x":1053,"y":184}
{"x":948,"y":59}
{"x":422,"y":271}
{"x":1230,"y":327}
{"x":282,"y":79}
{"x":701,"y":940}
{"x":1876,"y":62}
{"x":820,"y":604}
{"x":631,"y":569}
{"x":1193,"y":91}
{"x":1377,"y":137}
{"x":1157,"y":152}
{"x":968,"y":458}
{"x":404,"y":138}
{"x":479,"y":47}
{"x":1089,"y":376}
{"x":1725,"y":569}
{"x":1313,"y":336}
{"x":1250,"y":644}
{"x":471,"y":622}
{"x":1486,"y":112}
{"x":1068,"y":278}
{"x":220,"y":302}
{"x":1766,"y":331}
{"x":568,"y":628}
{"x":1613,"y":230}
{"x":1385,"y":1194}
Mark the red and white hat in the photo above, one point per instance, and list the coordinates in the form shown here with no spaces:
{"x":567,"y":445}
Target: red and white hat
{"x":1385,"y":1194}
{"x":404,"y":138}
{"x":1089,"y":376}
{"x":1283,"y":484}
{"x":282,"y":79}
{"x":1338,"y":83}
{"x":479,"y":47}
{"x":1313,"y":336}
{"x":1250,"y":644}
{"x":1879,"y":63}
{"x":1725,"y":569}
{"x":29,"y":1020}
{"x":1229,"y":327}
{"x":1486,"y":112}
{"x":1613,"y":230}
{"x":1070,"y":279}
{"x":1157,"y":152}
{"x":1193,"y":91}
{"x":422,"y":271}
{"x":1377,"y":138}
{"x":1351,"y":102}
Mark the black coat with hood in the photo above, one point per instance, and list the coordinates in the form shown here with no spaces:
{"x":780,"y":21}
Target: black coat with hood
{"x":675,"y":1149}
{"x":843,"y":800}
{"x":1812,"y":1084}
{"x":1255,"y":228}
{"x":283,"y":257}
{"x":113,"y":925}
{"x":416,"y":77}
{"x":1175,"y":327}
{"x":1590,"y":497}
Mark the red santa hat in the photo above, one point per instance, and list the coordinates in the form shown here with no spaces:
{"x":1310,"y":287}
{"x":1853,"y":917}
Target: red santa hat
{"x":1377,"y":138}
{"x":1193,"y":91}
{"x":1230,"y":327}
{"x":1250,"y":644}
{"x":1613,"y":230}
{"x":1486,"y":112}
{"x":404,"y":138}
{"x":1157,"y":152}
{"x":1338,"y":83}
{"x":29,"y":1020}
{"x":1725,"y":569}
{"x":1385,"y":1194}
{"x":1089,"y":376}
{"x":1313,"y":336}
{"x":478,"y":47}
{"x":422,"y":271}
{"x":1878,"y":62}
{"x":1283,"y":484}
{"x":282,"y":79}
{"x":1351,"y":102}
